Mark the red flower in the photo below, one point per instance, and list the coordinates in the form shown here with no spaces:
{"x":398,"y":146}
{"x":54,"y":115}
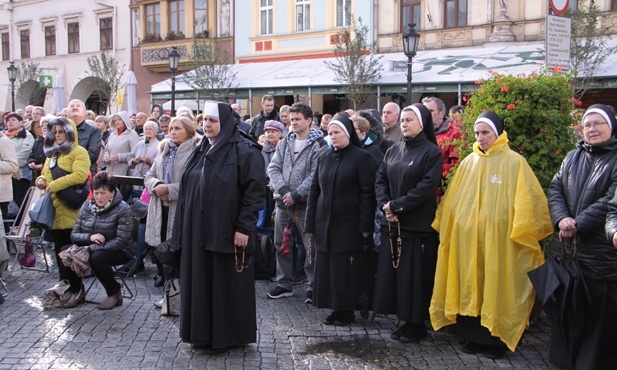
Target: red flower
{"x":577,"y":102}
{"x":558,"y":69}
{"x":478,"y":81}
{"x":511,"y":106}
{"x":557,"y":151}
{"x":505,"y":88}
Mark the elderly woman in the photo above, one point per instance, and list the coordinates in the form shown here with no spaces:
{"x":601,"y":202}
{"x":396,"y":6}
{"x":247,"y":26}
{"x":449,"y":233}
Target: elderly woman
{"x":225,"y":176}
{"x":163,"y":183}
{"x":489,"y":222}
{"x":63,"y":153}
{"x":22,"y":141}
{"x":368,"y":139}
{"x":145,"y":151}
{"x":118,"y":151}
{"x":405,"y":186}
{"x":105,"y":228}
{"x":274,"y":133}
{"x":578,"y":201}
{"x":339,"y":215}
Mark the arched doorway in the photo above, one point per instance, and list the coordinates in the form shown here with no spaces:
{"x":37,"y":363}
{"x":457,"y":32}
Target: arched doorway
{"x":94,"y":92}
{"x":30,"y":93}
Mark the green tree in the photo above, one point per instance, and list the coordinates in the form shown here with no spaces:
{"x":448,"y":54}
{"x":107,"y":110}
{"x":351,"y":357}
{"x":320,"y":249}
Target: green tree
{"x":535,"y":110}
{"x":591,"y":32}
{"x":356,"y":66}
{"x":107,"y":75}
{"x":211,"y":72}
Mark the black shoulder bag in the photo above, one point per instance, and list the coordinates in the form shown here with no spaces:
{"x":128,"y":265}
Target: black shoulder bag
{"x":73,"y":196}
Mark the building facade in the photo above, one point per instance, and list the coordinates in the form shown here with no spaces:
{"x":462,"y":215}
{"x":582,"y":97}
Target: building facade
{"x":58,"y":38}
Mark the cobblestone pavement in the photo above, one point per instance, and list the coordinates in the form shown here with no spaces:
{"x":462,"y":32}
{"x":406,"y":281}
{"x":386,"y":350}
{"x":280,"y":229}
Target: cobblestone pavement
{"x":290,"y":336}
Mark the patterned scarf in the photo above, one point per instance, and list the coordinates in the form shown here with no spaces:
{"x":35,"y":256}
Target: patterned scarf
{"x":168,"y":165}
{"x":96,"y":209}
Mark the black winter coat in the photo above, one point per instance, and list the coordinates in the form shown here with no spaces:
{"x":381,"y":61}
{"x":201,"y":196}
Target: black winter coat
{"x":341,"y":202}
{"x":582,"y":189}
{"x":89,"y":138}
{"x":408,"y":178}
{"x":114,"y":223}
{"x":233,"y":190}
{"x":259,"y":121}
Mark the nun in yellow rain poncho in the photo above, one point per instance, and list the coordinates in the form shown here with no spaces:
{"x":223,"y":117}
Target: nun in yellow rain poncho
{"x":489,"y":223}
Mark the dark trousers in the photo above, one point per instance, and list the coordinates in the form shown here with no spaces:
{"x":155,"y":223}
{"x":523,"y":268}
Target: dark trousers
{"x":20,"y":188}
{"x":61,"y":238}
{"x":101,"y":262}
{"x":4,"y":209}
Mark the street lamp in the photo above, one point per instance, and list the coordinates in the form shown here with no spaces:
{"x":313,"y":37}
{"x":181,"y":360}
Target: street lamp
{"x":410,"y":46}
{"x":174,"y":58}
{"x":12,"y":77}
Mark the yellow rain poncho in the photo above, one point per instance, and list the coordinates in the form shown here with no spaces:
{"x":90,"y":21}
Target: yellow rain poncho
{"x":489,"y":222}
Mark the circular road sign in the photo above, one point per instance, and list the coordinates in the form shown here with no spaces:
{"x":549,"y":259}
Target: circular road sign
{"x":559,"y":6}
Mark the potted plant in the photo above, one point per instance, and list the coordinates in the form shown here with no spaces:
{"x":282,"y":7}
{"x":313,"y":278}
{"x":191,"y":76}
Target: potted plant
{"x":152,"y":37}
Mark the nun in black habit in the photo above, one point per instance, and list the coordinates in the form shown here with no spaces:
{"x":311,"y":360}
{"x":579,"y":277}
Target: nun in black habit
{"x":406,"y":184}
{"x":221,"y":191}
{"x":339,"y":215}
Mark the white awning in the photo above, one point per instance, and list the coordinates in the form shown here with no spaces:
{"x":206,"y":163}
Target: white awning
{"x":452,"y":66}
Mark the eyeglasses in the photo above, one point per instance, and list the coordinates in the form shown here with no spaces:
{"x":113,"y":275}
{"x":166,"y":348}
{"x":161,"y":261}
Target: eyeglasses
{"x":596,"y":125}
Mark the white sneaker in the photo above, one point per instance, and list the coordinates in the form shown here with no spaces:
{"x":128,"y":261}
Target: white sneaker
{"x":159,"y":304}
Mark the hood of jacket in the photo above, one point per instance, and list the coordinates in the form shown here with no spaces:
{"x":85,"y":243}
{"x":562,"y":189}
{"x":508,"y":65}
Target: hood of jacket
{"x":67,"y":124}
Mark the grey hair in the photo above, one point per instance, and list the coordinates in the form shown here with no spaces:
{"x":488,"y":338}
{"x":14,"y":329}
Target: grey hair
{"x":153,"y":124}
{"x":284,"y":108}
{"x":440,"y":104}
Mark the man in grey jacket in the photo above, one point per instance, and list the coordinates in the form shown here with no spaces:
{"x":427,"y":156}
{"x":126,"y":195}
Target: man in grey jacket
{"x":291,"y":172}
{"x":89,"y":137}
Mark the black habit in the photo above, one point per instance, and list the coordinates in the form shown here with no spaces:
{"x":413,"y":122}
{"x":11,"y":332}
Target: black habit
{"x":341,"y":206}
{"x":408,"y":178}
{"x":221,"y":191}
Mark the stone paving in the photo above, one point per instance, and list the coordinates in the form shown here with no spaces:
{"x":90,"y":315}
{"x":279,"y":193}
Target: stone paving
{"x":290,"y":336}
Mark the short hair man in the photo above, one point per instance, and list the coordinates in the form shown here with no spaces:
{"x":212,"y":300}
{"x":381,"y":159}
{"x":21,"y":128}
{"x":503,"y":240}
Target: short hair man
{"x":237,"y":108}
{"x":268,"y":112}
{"x":28,"y":113}
{"x":445,"y":132}
{"x":140,"y":121}
{"x":325,"y":121}
{"x":291,"y":173}
{"x":164,"y":121}
{"x":88,"y":136}
{"x":389,"y":116}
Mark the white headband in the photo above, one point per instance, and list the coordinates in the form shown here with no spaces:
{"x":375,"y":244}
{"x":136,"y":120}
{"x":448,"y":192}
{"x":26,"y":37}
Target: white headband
{"x":340,"y":124}
{"x":600,"y":112}
{"x":418,"y":114}
{"x":211,"y":109}
{"x":488,"y":122}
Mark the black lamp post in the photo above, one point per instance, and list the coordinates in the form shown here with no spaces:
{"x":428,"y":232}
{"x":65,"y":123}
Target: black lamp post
{"x":174,"y":58}
{"x":12,"y":77}
{"x":410,"y":46}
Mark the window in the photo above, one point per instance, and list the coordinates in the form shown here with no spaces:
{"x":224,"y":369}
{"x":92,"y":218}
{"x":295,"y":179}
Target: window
{"x":343,"y":13}
{"x":153,"y":19}
{"x":456,"y":13}
{"x":6,"y":50}
{"x":410,"y":13}
{"x":24,"y":40}
{"x":50,"y":40}
{"x":303,"y":15}
{"x":73,"y":33}
{"x":265,"y":11}
{"x":201,"y":16}
{"x":176,"y":16}
{"x":106,"y":31}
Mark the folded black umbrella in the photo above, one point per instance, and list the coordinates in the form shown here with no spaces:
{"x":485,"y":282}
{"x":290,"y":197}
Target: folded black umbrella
{"x":560,"y":284}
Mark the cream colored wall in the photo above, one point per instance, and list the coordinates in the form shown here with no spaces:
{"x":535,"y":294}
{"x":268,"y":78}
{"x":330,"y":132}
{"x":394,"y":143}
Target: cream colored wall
{"x":527,"y":17}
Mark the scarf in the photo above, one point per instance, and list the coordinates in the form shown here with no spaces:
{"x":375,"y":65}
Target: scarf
{"x":96,"y":209}
{"x":168,"y":165}
{"x":63,"y":148}
{"x":10,"y":134}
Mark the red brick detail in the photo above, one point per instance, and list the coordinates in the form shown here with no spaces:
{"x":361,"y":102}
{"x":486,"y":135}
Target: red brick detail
{"x":259,"y":46}
{"x":267,"y":45}
{"x":285,"y":58}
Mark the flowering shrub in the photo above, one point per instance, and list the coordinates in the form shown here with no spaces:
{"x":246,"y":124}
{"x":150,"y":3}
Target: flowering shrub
{"x":536,"y":113}
{"x":151,"y":37}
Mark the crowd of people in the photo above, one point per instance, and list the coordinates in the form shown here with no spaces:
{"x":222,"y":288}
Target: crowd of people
{"x":361,"y":216}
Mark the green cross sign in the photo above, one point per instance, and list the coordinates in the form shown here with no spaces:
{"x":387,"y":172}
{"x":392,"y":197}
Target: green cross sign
{"x":45,"y":81}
